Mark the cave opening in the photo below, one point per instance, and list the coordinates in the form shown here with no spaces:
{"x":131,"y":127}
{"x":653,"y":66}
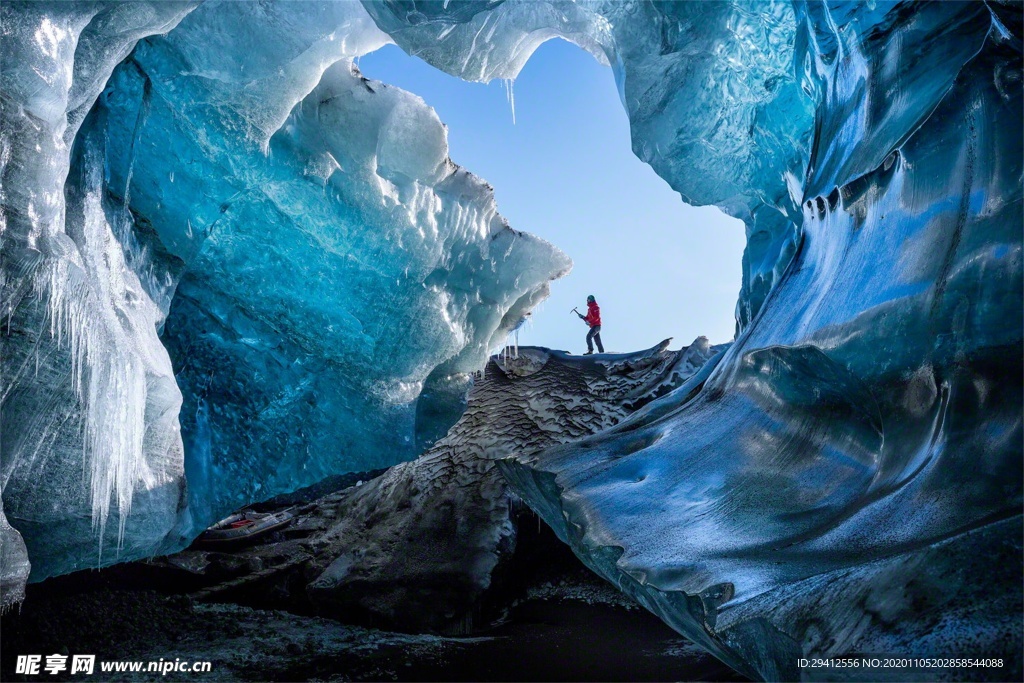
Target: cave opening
{"x":853,"y":458}
{"x":555,"y":145}
{"x":402,"y":325}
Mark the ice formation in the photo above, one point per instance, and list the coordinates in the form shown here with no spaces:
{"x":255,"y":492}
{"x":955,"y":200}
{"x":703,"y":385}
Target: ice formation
{"x":297,"y":233}
{"x":399,"y":270}
{"x":846,"y":478}
{"x":89,"y":404}
{"x":14,"y":564}
{"x":419,"y":547}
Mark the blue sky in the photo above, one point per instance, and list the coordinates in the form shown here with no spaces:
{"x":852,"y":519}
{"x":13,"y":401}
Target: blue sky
{"x":565,"y":172}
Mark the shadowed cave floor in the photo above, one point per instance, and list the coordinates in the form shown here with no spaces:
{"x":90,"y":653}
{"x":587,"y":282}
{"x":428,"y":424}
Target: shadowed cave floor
{"x":551,"y":633}
{"x":555,"y":621}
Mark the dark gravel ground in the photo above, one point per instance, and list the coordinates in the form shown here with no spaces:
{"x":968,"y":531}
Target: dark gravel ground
{"x":548,"y":619}
{"x":579,"y":631}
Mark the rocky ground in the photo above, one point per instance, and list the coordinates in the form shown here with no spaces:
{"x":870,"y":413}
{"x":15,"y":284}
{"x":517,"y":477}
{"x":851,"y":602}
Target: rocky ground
{"x":431,"y":570}
{"x":562,"y":623}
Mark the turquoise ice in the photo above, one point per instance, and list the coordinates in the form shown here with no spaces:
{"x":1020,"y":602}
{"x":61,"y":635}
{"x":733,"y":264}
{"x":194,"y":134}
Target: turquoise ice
{"x":232,"y":265}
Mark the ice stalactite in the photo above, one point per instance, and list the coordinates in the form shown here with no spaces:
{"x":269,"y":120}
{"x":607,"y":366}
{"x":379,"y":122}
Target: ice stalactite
{"x":89,"y":404}
{"x":510,"y":95}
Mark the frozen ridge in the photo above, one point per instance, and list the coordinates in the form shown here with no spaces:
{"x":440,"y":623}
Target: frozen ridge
{"x":422,"y":546}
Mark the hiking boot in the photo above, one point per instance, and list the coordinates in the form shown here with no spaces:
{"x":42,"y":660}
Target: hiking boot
{"x":589,"y":353}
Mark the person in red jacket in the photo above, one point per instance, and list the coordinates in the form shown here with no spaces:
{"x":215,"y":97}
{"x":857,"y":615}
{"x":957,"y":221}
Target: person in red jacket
{"x":593,"y":318}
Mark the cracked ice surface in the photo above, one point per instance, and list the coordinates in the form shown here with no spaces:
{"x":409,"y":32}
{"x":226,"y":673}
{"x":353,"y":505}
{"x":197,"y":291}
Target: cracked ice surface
{"x":848,"y":478}
{"x":297,"y":232}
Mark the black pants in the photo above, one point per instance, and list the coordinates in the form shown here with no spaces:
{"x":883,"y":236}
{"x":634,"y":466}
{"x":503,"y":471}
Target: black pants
{"x":595,"y":336}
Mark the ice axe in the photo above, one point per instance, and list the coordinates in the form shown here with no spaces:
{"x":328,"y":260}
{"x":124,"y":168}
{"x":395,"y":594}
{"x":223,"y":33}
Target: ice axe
{"x":576,"y":312}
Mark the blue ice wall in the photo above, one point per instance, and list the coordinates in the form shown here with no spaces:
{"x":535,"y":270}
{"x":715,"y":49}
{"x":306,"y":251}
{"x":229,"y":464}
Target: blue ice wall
{"x":91,"y":458}
{"x":332,"y":267}
{"x":296,"y":234}
{"x":848,"y":478}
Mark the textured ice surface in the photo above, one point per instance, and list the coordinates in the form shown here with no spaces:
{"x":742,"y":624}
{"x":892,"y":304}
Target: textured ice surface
{"x":848,"y":478}
{"x":89,"y":403}
{"x":333,"y":266}
{"x":711,"y":90}
{"x":419,"y":547}
{"x":296,"y":232}
{"x":14,"y":564}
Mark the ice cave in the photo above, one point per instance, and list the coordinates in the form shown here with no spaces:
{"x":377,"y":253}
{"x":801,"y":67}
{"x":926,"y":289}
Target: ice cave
{"x":235,"y":268}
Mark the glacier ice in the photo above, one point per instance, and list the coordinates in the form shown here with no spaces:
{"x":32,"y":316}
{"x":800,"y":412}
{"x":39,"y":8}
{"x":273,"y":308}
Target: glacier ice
{"x":297,"y":233}
{"x":423,"y":546}
{"x":89,"y":403}
{"x":420,"y":546}
{"x":208,"y":180}
{"x":847,"y":479}
{"x":398,"y":263}
{"x":14,"y":564}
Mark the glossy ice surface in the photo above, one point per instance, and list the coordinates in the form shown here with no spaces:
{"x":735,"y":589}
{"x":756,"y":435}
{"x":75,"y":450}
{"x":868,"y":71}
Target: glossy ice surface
{"x":296,"y":233}
{"x":846,"y":479}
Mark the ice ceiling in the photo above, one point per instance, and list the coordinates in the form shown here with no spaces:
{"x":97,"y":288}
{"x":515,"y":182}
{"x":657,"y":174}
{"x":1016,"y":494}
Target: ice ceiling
{"x":296,"y":234}
{"x":227,"y":255}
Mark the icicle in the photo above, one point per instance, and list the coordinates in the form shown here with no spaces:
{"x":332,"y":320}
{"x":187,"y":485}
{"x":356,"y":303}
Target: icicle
{"x":108,"y":377}
{"x":511,"y":96}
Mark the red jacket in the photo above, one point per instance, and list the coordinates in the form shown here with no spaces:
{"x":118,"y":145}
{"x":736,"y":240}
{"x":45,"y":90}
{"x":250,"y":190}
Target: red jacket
{"x":593,"y":317}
